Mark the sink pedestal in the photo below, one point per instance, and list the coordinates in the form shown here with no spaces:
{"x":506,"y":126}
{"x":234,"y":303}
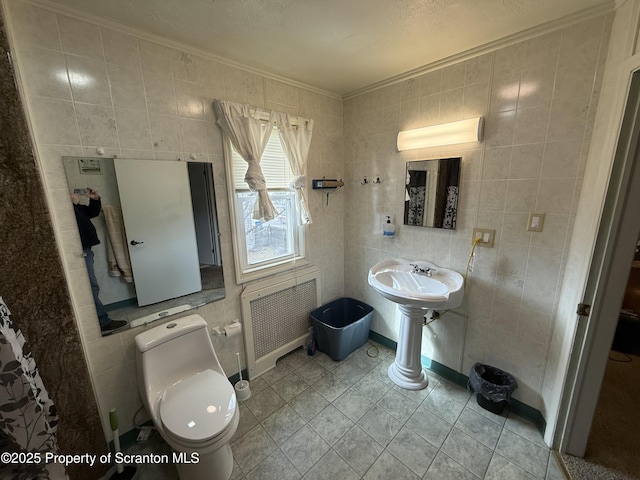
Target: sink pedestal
{"x":406,"y":371}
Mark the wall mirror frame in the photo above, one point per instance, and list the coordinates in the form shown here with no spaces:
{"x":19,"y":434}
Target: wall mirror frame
{"x":432,"y":188}
{"x":174,"y":263}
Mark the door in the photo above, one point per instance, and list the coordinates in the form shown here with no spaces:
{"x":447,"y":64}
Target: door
{"x":158,"y":220}
{"x":614,"y":251}
{"x":204,"y":213}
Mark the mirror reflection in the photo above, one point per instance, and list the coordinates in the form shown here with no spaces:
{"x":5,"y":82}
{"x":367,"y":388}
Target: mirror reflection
{"x":431,"y":193}
{"x":149,"y":234}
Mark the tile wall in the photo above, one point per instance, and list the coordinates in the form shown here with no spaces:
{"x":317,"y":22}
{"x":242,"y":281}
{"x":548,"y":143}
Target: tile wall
{"x":88,"y":86}
{"x":539,"y":98}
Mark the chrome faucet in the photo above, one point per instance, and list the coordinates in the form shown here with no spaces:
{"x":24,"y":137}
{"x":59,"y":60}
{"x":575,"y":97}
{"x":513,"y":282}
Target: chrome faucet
{"x":421,"y":271}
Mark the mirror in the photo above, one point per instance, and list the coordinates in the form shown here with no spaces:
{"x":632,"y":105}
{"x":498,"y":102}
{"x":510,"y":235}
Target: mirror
{"x":157,"y":251}
{"x":431,"y":193}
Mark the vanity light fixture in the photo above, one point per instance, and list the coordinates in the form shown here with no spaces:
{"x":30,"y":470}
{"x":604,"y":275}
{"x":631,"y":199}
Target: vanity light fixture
{"x":445,"y":134}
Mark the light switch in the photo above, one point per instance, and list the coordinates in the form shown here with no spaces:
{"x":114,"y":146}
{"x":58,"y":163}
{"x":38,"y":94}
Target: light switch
{"x":535,"y":222}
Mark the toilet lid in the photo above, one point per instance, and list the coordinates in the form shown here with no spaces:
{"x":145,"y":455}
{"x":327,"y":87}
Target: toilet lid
{"x":199,"y":407}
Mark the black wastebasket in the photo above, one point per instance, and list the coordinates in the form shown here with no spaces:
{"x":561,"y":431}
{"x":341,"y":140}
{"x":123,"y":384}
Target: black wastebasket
{"x":493,"y":387}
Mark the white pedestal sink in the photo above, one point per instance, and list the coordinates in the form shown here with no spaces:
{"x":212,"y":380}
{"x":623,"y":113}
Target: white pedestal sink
{"x":416,"y":287}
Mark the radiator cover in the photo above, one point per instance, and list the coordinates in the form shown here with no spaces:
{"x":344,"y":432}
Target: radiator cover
{"x":275,"y":315}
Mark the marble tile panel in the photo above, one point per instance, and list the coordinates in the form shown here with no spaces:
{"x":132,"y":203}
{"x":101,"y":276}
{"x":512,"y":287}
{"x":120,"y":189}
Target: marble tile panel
{"x":527,"y":455}
{"x":349,"y":372}
{"x":247,"y":421}
{"x":502,"y":469}
{"x":387,"y":466}
{"x":160,"y":94}
{"x":443,"y":406}
{"x":189,"y":100}
{"x":397,"y":405}
{"x":253,"y":447}
{"x":34,"y":26}
{"x":283,"y":423}
{"x":353,"y":404}
{"x":418,"y":396}
{"x":275,"y":466}
{"x":47,"y":71}
{"x":412,"y":450}
{"x":525,"y":429}
{"x":367,"y":358}
{"x":185,"y":66}
{"x":311,"y":372}
{"x":358,"y":449}
{"x":331,"y":424}
{"x":308,"y":404}
{"x":330,"y":387}
{"x":97,"y":125}
{"x":380,"y":425}
{"x":55,"y":122}
{"x":456,"y":392}
{"x":305,"y":448}
{"x":165,"y":133}
{"x":290,"y":386}
{"x":80,"y":38}
{"x":429,"y":426}
{"x":479,"y":428}
{"x":331,"y":467}
{"x":263,"y":404}
{"x":133,"y":129}
{"x":276,"y":374}
{"x":155,"y":58}
{"x":194,"y":138}
{"x":466,"y":451}
{"x":444,"y":468}
{"x":127,"y":87}
{"x":120,"y":49}
{"x":526,"y":161}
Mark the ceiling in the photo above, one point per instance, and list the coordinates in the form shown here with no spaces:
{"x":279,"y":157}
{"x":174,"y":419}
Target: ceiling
{"x":339,"y":46}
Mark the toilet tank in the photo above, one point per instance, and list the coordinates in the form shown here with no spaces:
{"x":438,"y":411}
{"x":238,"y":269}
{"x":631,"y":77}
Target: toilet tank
{"x":173,"y":351}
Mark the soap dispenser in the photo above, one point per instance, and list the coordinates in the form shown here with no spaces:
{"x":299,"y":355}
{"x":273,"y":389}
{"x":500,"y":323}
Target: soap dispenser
{"x":389,"y":229}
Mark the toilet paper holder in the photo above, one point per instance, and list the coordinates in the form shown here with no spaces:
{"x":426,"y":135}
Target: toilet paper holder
{"x":228,"y":330}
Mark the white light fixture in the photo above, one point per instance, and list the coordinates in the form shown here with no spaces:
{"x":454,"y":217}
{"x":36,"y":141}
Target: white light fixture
{"x":446,"y":134}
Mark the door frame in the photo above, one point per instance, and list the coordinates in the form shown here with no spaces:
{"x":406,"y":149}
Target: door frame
{"x":608,"y":272}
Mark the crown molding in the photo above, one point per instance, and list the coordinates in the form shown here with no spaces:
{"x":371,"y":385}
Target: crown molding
{"x":527,"y":34}
{"x":105,"y":22}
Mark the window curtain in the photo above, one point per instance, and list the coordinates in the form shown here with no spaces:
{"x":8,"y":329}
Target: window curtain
{"x":249,"y":133}
{"x":295,"y":135}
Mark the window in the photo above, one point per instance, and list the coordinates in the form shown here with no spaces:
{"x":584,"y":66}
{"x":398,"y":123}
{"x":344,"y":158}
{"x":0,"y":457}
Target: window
{"x":259,"y":244}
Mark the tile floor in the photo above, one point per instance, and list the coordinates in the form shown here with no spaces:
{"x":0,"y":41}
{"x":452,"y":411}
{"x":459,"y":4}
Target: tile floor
{"x":312,"y":418}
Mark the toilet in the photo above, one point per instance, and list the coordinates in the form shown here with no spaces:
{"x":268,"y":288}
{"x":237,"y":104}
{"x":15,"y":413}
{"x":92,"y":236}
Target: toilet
{"x":191,"y":402}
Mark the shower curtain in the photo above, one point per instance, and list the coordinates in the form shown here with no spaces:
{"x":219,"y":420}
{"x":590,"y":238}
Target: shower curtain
{"x":28,"y":418}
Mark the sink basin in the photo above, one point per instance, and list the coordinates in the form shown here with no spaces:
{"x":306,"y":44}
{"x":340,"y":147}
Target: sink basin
{"x":414,"y":286}
{"x":396,"y":280}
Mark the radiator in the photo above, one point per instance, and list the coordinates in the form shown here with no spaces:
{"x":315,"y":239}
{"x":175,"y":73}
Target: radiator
{"x":275,"y":314}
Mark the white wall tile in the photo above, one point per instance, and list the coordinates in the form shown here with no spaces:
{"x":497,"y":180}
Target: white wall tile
{"x":120,"y":49}
{"x":89,"y":80}
{"x":48,"y":72}
{"x":97,"y":125}
{"x":80,"y":38}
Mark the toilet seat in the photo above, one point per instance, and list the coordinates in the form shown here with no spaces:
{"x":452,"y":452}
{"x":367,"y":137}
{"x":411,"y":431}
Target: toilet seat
{"x":198,"y":408}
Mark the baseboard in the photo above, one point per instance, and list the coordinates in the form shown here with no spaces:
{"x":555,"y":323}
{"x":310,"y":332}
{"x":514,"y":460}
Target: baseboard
{"x":516,"y":406}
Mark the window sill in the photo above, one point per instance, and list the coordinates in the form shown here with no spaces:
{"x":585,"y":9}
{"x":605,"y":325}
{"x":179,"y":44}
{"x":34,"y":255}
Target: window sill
{"x":285,"y":266}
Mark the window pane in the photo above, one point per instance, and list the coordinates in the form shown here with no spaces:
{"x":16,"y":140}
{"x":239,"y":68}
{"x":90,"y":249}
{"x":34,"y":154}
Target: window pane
{"x":266,"y":241}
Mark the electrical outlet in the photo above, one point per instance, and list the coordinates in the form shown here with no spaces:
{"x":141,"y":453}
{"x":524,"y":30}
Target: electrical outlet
{"x":485,"y":235}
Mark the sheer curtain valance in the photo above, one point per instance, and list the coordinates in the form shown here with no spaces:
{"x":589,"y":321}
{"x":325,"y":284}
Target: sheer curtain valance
{"x":249,"y":128}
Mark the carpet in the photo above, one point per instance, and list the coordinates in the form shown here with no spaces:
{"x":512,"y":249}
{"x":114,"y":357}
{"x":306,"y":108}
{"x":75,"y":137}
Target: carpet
{"x":612,"y":449}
